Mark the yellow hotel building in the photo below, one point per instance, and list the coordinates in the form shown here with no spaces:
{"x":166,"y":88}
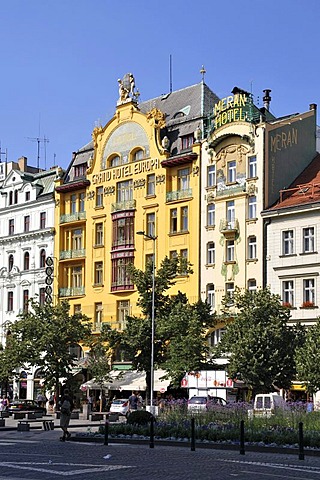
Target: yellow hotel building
{"x":141,"y":172}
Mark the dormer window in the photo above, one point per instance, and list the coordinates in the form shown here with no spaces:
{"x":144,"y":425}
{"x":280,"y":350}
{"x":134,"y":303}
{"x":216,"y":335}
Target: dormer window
{"x":80,"y":170}
{"x":187,"y":141}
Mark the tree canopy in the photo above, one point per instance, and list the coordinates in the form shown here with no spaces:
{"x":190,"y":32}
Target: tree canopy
{"x":258,"y":343}
{"x":308,"y":359}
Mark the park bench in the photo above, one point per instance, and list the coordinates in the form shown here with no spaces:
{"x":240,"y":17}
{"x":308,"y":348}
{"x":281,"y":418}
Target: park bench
{"x":24,"y":425}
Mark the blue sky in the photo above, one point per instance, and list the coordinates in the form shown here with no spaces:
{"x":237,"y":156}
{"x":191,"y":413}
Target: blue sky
{"x":60,"y":61}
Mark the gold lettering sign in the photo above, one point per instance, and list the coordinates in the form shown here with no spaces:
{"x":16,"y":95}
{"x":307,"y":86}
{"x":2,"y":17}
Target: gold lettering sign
{"x":230,"y":109}
{"x":125,"y":171}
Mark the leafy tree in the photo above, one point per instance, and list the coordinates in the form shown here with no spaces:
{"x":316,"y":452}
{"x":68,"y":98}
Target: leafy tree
{"x":176,"y":323}
{"x":308,"y":359}
{"x":43,"y":335}
{"x":7,"y":365}
{"x":258,"y":341}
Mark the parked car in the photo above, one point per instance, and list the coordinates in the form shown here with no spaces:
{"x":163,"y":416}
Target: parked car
{"x":120,"y":405}
{"x":203,"y":403}
{"x":26,"y":406}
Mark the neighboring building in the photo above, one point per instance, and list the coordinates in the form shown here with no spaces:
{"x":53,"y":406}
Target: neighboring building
{"x":293,"y":246}
{"x":143,"y":175}
{"x":26,"y":240}
{"x":248,"y":157}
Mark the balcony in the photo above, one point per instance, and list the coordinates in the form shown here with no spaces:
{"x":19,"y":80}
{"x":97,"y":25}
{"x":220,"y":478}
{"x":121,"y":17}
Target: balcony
{"x":121,"y":206}
{"x":72,"y":217}
{"x":71,"y":292}
{"x":229,"y":228}
{"x":69,"y":254}
{"x":178,"y":195}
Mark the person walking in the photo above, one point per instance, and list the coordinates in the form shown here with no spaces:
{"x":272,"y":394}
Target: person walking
{"x":66,"y":407}
{"x":133,"y":402}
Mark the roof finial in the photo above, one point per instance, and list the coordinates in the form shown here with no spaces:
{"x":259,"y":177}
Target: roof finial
{"x":203,"y":71}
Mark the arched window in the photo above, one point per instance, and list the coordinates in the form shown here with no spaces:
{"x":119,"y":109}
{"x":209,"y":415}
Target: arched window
{"x":138,"y":154}
{"x":10,"y":198}
{"x":42,"y":258}
{"x":10,"y":263}
{"x":26,"y":261}
{"x":114,"y":161}
{"x":16,"y":196}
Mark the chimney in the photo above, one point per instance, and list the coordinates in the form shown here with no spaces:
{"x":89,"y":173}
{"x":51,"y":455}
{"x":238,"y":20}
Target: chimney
{"x":266,"y":98}
{"x":22,"y":162}
{"x":313,"y":106}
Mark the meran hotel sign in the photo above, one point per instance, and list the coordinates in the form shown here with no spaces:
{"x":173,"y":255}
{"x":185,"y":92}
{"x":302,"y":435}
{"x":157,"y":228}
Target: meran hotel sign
{"x":230,"y":109}
{"x":124,"y":171}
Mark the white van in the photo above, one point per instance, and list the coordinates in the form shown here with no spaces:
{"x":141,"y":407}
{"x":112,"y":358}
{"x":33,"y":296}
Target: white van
{"x":267,"y":403}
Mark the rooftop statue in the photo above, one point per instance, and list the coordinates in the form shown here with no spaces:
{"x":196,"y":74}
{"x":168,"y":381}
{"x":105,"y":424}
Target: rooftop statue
{"x":127,"y":91}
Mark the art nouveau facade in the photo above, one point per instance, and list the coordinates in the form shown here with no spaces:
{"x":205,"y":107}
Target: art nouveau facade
{"x":26,"y":239}
{"x":143,"y":176}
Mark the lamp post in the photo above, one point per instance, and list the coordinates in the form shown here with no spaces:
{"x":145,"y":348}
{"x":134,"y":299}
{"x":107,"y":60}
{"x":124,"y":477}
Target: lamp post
{"x":153,"y":238}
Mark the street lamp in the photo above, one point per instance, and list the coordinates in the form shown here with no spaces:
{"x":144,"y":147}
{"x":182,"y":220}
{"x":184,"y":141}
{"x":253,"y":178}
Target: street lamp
{"x":153,"y":238}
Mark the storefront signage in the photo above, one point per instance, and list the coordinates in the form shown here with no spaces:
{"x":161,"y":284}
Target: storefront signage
{"x":125,"y":171}
{"x":230,"y":109}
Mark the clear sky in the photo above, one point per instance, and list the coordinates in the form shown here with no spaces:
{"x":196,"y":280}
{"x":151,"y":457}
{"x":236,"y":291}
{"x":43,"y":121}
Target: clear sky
{"x":60,"y":61}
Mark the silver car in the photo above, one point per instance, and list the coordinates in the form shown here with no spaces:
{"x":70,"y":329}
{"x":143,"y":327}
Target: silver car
{"x":120,"y":405}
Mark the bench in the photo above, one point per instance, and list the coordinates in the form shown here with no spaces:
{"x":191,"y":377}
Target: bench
{"x":24,"y":425}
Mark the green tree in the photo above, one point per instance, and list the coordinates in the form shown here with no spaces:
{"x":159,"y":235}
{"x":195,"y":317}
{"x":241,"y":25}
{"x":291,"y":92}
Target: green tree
{"x":176,"y":322}
{"x":258,"y":342}
{"x":8,"y":365}
{"x":308,"y":359}
{"x":43,"y":335}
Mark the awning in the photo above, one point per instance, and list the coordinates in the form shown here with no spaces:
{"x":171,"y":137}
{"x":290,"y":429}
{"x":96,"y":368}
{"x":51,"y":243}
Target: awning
{"x":130,"y":380}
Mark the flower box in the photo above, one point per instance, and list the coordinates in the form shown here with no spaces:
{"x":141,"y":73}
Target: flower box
{"x":307,"y":305}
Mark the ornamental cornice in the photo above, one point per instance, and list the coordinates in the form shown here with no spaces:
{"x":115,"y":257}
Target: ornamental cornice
{"x":27,"y":236}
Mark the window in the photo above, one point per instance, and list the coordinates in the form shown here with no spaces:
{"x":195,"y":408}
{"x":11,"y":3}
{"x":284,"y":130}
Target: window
{"x":73,"y":203}
{"x":123,"y":232}
{"x":26,"y":223}
{"x":82,"y":197}
{"x":216,"y":336}
{"x":308,"y":240}
{"x":43,"y":220}
{"x":187,"y":141}
{"x":184,"y":219}
{"x":26,"y":261}
{"x":76,"y":276}
{"x":183,"y":261}
{"x":138,"y":155}
{"x":115,"y":161}
{"x":210,"y":253}
{"x":99,"y":197}
{"x":173,"y":220}
{"x":252,"y":167}
{"x":25,"y":300}
{"x":252,"y":247}
{"x":288,"y":292}
{"x":252,"y":285}
{"x":10,"y":263}
{"x":98,"y":312}
{"x":230,"y":292}
{"x":121,"y":279}
{"x":76,"y":239}
{"x":231,"y":171}
{"x":99,"y":234}
{"x":211,"y":296}
{"x":151,"y":181}
{"x":151,"y":224}
{"x":10,"y":302}
{"x":309,"y":290}
{"x":252,"y":207}
{"x":98,"y":273}
{"x":211,"y":215}
{"x":16,"y":196}
{"x":183,"y":179}
{"x":10,"y":198}
{"x":11,"y":226}
{"x":27,"y":196}
{"x":77,"y":308}
{"x":211,"y":176}
{"x":230,"y":250}
{"x":124,"y":191}
{"x":173,"y":254}
{"x":230,"y":214}
{"x":287,"y":242}
{"x":42,"y":258}
{"x":123,"y":310}
{"x":42,"y":296}
{"x":80,"y":170}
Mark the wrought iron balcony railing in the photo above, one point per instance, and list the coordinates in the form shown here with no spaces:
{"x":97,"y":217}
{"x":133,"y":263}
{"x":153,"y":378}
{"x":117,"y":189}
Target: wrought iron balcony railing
{"x":179,"y":195}
{"x":67,"y":254}
{"x":72,"y":217}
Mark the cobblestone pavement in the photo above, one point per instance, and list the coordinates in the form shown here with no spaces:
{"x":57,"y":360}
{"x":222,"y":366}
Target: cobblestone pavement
{"x":39,"y":454}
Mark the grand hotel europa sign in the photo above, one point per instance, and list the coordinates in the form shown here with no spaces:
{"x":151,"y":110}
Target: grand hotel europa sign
{"x":233,"y":108}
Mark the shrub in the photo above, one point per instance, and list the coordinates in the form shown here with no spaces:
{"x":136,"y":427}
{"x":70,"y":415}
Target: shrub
{"x":139,"y":417}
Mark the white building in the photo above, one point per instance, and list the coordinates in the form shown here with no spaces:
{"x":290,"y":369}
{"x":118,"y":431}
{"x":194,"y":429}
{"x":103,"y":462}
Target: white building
{"x":26,"y":240}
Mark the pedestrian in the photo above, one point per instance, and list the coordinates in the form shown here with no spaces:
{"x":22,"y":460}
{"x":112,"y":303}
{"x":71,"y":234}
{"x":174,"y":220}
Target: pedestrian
{"x":133,"y":402}
{"x":66,"y":408}
{"x":140,"y":401}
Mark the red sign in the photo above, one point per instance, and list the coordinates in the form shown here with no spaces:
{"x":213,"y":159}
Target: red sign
{"x":229,"y":382}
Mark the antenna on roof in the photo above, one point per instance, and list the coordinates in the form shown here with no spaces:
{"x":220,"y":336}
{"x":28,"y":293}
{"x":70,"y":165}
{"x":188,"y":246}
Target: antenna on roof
{"x":203,"y":71}
{"x":44,"y":140}
{"x":170,"y":72}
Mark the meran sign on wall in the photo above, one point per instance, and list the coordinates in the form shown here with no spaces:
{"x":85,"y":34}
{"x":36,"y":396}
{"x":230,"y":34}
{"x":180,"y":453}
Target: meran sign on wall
{"x":230,"y":109}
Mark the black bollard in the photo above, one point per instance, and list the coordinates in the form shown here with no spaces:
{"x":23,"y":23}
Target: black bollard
{"x":152,"y":432}
{"x":193,"y":435}
{"x":301,"y":450}
{"x":242,"y":452}
{"x":106,"y":432}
